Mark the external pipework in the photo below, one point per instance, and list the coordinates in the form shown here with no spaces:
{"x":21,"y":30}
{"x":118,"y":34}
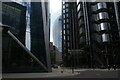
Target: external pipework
{"x":98,"y":32}
{"x":101,"y":19}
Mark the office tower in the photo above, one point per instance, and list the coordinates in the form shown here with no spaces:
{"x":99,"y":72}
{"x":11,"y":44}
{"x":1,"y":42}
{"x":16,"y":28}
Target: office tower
{"x":97,"y":34}
{"x":57,"y":39}
{"x":57,"y":33}
{"x":13,"y":15}
{"x":68,"y":30}
{"x":16,"y":57}
{"x":40,"y":26}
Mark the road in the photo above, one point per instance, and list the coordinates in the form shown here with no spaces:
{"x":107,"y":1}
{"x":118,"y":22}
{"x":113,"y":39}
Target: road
{"x":80,"y":74}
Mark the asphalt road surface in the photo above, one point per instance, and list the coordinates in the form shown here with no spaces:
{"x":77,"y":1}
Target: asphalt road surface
{"x":79,"y":74}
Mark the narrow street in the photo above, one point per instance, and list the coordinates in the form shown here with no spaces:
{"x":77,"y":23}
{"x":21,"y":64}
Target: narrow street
{"x":67,"y":73}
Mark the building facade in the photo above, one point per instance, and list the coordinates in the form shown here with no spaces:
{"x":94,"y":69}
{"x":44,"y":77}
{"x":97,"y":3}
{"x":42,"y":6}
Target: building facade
{"x":57,"y":33}
{"x":40,"y":35}
{"x":95,"y":33}
{"x":57,"y":39}
{"x":13,"y":15}
{"x":52,"y":53}
{"x":56,"y":55}
{"x":68,"y":30}
{"x":17,"y":58}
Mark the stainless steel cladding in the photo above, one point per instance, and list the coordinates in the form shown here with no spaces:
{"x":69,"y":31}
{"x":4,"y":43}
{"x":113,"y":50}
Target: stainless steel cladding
{"x":101,"y":5}
{"x":102,"y":15}
{"x":105,"y":37}
{"x":103,"y":26}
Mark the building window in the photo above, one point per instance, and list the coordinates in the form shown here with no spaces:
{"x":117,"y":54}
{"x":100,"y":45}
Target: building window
{"x":63,"y":11}
{"x":66,"y":10}
{"x":63,"y":16}
{"x":64,"y":42}
{"x":66,"y":15}
{"x":64,"y":31}
{"x":63,"y":6}
{"x":63,"y":2}
{"x":68,"y":44}
{"x":67,"y":20}
{"x":67,"y":26}
{"x":66,"y":5}
{"x":68,"y":38}
{"x":63,"y":21}
{"x":64,"y":37}
{"x":63,"y":26}
{"x":68,"y":32}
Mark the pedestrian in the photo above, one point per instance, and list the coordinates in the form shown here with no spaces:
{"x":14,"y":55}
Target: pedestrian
{"x":62,"y":68}
{"x":109,"y":67}
{"x":114,"y":67}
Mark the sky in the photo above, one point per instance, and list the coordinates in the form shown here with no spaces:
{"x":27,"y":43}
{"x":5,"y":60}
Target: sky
{"x":55,"y":11}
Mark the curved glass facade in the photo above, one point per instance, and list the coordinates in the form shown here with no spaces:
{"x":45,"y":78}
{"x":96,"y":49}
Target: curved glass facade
{"x":57,"y":33}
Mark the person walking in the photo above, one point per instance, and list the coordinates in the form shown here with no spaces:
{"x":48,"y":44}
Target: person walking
{"x":62,"y":68}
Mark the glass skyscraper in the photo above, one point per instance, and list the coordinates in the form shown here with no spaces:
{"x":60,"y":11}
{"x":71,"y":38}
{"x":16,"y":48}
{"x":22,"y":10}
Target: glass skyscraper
{"x":22,"y":18}
{"x":57,"y":33}
{"x":13,"y":15}
{"x":40,"y":35}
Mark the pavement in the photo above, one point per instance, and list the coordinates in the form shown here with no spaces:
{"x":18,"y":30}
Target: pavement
{"x":54,"y":73}
{"x":67,"y":73}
